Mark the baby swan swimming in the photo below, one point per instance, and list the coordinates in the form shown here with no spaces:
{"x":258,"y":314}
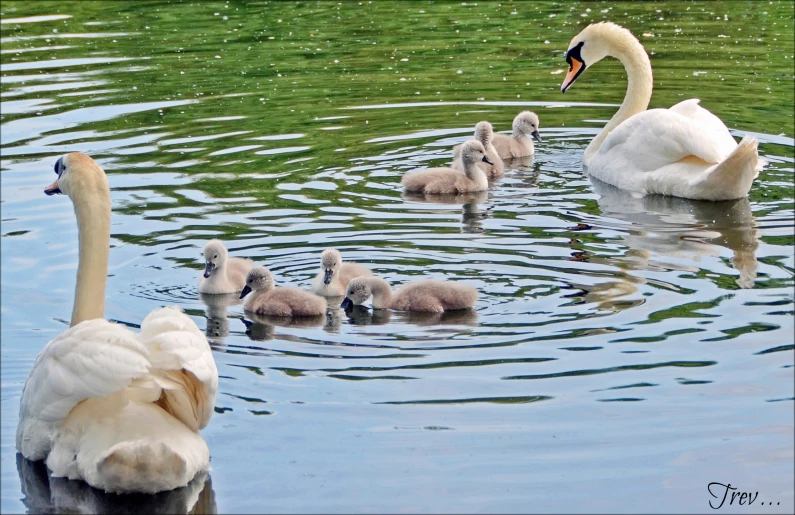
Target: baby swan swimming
{"x":428,"y":295}
{"x":222,"y":274}
{"x":518,"y":144}
{"x":484,"y":133}
{"x":335,"y":275}
{"x":265,"y":299}
{"x":450,"y":180}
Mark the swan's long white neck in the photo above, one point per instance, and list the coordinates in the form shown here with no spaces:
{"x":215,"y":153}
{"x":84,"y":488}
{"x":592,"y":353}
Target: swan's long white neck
{"x":626,"y":48}
{"x":92,"y":209}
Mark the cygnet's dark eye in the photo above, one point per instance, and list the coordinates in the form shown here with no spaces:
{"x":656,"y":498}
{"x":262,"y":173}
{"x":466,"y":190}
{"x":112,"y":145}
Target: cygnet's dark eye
{"x":215,"y":256}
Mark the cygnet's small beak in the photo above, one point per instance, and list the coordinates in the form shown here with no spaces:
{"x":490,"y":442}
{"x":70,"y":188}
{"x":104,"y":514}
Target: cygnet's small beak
{"x":327,"y":277}
{"x":537,"y":136}
{"x":53,"y":189}
{"x":246,"y":291}
{"x":208,"y":269}
{"x":346,"y":303}
{"x":487,"y":160}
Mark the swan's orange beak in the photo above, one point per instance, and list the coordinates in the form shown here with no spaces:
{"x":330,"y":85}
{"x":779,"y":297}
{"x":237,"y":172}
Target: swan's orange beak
{"x":576,"y":67}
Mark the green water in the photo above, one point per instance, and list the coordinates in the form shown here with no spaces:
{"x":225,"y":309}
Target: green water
{"x":624,"y":351}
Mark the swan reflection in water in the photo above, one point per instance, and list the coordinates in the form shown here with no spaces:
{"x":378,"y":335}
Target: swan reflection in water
{"x":46,"y":494}
{"x":682,"y":228}
{"x":362,"y":315}
{"x":216,"y":314}
{"x":472,"y":215}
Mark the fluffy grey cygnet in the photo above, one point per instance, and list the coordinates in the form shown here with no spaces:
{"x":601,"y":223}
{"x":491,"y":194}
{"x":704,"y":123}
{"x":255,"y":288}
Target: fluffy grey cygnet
{"x":428,"y":295}
{"x":449,"y":180}
{"x":264,"y":298}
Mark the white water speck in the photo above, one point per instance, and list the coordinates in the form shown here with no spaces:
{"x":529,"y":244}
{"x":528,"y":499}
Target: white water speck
{"x":556,"y":72}
{"x":546,"y":41}
{"x":459,"y":72}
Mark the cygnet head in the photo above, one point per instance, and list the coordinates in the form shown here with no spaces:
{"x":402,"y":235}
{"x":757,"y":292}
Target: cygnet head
{"x":78,"y":174}
{"x":526,"y":123}
{"x":473,"y":151}
{"x":258,"y":278}
{"x":484,"y":133}
{"x":357,"y":292}
{"x":215,"y":255}
{"x":330,"y":263}
{"x":592,"y":45}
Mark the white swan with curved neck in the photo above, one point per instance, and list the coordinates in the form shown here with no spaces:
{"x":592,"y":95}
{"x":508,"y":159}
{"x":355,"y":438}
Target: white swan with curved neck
{"x":684,"y":151}
{"x":119,"y":410}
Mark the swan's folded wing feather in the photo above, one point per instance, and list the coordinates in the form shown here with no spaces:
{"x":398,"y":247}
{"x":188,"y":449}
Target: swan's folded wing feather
{"x":93,"y":359}
{"x":712,"y":125}
{"x":659,"y":137}
{"x":182,"y":364}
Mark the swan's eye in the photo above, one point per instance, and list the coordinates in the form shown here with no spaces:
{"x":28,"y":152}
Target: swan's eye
{"x":59,"y":167}
{"x":215,"y":256}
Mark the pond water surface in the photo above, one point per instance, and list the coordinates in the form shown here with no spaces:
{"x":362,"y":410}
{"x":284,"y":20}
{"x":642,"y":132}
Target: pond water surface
{"x":625,"y":352}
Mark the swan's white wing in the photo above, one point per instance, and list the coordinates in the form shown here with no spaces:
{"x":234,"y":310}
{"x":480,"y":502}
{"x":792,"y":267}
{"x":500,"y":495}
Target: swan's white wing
{"x":182,"y":364}
{"x":93,"y":359}
{"x":710,"y":123}
{"x":656,"y":138}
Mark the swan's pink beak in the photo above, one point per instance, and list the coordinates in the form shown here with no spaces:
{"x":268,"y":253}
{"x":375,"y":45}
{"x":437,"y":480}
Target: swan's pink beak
{"x":575,"y":69}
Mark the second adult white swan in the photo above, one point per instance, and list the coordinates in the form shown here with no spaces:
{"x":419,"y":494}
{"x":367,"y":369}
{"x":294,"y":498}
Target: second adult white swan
{"x":684,"y":151}
{"x":119,"y":410}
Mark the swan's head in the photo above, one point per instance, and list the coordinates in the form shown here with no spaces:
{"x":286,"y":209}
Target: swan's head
{"x":330,"y":263}
{"x":78,"y":174}
{"x":473,"y":151}
{"x":357,"y":292}
{"x":484,"y":133}
{"x":258,"y":278}
{"x":526,"y":122}
{"x":594,"y":43}
{"x":215,"y":255}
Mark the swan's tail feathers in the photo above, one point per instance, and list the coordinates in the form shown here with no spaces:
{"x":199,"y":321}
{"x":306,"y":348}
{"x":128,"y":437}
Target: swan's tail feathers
{"x":142,"y":466}
{"x":732,"y":177}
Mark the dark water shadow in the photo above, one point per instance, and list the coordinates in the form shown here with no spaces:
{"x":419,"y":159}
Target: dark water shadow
{"x":678,"y":227}
{"x":43,"y":493}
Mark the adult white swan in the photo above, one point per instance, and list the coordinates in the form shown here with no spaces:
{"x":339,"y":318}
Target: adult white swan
{"x":116,"y":409}
{"x":684,"y":151}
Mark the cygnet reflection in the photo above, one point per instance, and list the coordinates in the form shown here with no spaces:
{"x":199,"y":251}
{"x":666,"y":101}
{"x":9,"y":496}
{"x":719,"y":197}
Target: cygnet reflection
{"x":363,"y":315}
{"x":262,"y":327}
{"x":216,"y":313}
{"x":46,"y":494}
{"x":472,"y":214}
